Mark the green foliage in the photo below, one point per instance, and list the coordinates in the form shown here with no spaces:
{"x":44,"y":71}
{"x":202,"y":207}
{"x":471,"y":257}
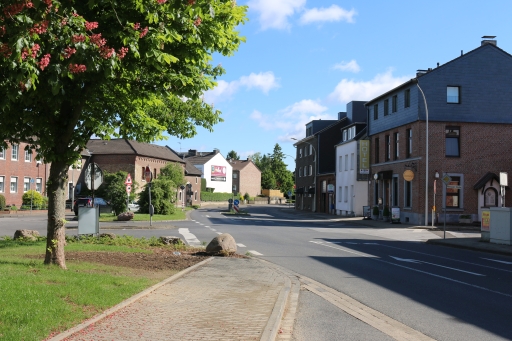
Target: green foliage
{"x":203,"y":185}
{"x":174,"y":172}
{"x":2,"y":202}
{"x":247,"y":196}
{"x":113,"y":190}
{"x":209,"y":196}
{"x":163,"y":197}
{"x":33,"y":197}
{"x":233,"y":155}
{"x":268,"y":180}
{"x":274,"y":174}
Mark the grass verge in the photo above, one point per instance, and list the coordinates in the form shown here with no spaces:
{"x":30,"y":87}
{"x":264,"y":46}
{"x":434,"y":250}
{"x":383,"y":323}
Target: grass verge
{"x":178,"y":215}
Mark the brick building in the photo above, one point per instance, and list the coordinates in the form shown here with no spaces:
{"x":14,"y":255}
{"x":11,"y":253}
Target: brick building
{"x":469,"y":101}
{"x":20,"y":172}
{"x":246,"y":177}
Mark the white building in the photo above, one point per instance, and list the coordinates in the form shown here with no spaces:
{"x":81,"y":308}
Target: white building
{"x":216,"y":170}
{"x":352,"y":171}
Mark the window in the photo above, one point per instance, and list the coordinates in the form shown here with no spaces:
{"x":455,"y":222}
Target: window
{"x":453,"y":194}
{"x":2,"y":153}
{"x":386,"y":107}
{"x":28,"y":156}
{"x":340,"y":192}
{"x":14,"y":153}
{"x":310,"y":149}
{"x":345,"y":194}
{"x":376,"y":193}
{"x":409,"y":142}
{"x":300,"y":152}
{"x":179,"y":196}
{"x":14,"y":184}
{"x":394,"y":199}
{"x":346,"y":162}
{"x":234,"y":175}
{"x":377,"y":150}
{"x":408,"y":194}
{"x":195,"y":196}
{"x":394,"y":101}
{"x":196,"y":179}
{"x":340,"y":163}
{"x":310,"y":170}
{"x":305,"y":171}
{"x":388,"y":147}
{"x":39,"y":185}
{"x":300,"y":172}
{"x":26,"y":184}
{"x":143,"y":174}
{"x":375,"y":111}
{"x":452,"y":141}
{"x":154,"y":173}
{"x":234,"y":187}
{"x":397,"y":151}
{"x":344,"y":135}
{"x":407,"y":98}
{"x":352,"y":161}
{"x":2,"y":184}
{"x":453,"y":94}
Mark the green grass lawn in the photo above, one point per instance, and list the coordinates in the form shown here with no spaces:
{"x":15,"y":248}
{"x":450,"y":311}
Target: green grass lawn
{"x":178,"y":215}
{"x":37,"y":300}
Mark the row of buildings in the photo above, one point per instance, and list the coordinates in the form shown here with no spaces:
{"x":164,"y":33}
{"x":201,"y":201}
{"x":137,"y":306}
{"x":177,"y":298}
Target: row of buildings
{"x":440,"y":140}
{"x":20,"y":172}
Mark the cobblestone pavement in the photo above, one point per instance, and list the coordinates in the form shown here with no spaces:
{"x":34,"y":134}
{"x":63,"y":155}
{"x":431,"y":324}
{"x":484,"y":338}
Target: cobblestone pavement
{"x":225,"y":299}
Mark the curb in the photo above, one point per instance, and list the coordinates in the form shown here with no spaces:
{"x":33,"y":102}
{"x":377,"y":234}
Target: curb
{"x":274,"y":321}
{"x":126,"y":302}
{"x":483,"y":248}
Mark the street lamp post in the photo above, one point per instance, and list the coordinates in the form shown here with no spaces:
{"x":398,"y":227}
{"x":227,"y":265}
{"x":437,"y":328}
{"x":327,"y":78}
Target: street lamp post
{"x":314,"y":163}
{"x":415,"y":81}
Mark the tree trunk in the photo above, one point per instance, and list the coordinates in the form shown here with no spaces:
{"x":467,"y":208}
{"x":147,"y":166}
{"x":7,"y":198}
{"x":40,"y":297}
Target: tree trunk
{"x":56,"y":233}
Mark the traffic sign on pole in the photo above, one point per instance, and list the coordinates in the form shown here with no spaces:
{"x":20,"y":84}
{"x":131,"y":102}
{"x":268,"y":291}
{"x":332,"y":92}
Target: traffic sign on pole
{"x":128,"y":189}
{"x":147,"y":174}
{"x":128,"y":180}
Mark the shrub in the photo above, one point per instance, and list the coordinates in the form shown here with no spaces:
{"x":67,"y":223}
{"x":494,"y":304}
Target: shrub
{"x":247,"y":196}
{"x":209,"y":196}
{"x":32,"y":197}
{"x":2,"y":202}
{"x":163,"y":197}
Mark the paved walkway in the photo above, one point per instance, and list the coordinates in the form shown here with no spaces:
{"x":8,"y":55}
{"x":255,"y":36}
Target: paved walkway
{"x":221,"y":299}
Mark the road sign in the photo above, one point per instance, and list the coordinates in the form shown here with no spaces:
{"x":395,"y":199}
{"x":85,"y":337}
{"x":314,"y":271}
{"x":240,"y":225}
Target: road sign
{"x":128,"y":189}
{"x":446,"y":179}
{"x":289,"y":193}
{"x":236,"y":202}
{"x":128,"y":180}
{"x":147,"y":174}
{"x":98,"y":176}
{"x":454,"y":186}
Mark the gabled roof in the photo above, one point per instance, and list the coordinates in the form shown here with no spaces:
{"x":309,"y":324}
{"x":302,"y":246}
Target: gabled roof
{"x":190,"y":169}
{"x":130,"y":147}
{"x":238,"y":165}
{"x":484,"y":179}
{"x":200,"y":159}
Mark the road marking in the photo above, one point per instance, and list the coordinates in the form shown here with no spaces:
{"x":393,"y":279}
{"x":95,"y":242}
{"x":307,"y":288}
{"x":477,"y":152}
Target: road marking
{"x":441,"y":266}
{"x":496,"y":260}
{"x":406,"y":267}
{"x":219,"y":232}
{"x":240,"y":245}
{"x":377,"y":320}
{"x":213,"y":229}
{"x":189,"y":237}
{"x":255,"y":253}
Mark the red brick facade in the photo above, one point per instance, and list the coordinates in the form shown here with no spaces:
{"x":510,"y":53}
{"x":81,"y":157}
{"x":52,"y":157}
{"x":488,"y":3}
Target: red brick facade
{"x":16,"y":172}
{"x":246,"y":177}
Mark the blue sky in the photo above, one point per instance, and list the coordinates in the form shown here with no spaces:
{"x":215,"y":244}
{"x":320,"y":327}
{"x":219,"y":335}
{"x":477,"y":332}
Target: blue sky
{"x":305,"y":60}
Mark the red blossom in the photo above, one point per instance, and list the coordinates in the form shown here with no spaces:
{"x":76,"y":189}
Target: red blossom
{"x":191,"y":2}
{"x":69,"y":51}
{"x":136,"y":26}
{"x":22,"y":86}
{"x":48,"y":3}
{"x":144,"y":32}
{"x":29,"y":4}
{"x":122,"y":52}
{"x":78,"y":38}
{"x":5,"y":50}
{"x":13,"y":9}
{"x":35,"y":49}
{"x":89,"y":26}
{"x":43,"y":63}
{"x":77,"y":68}
{"x":64,"y":22}
{"x":39,"y":28}
{"x":197,"y":22}
{"x":160,"y":2}
{"x":106,"y":52}
{"x":98,"y":40}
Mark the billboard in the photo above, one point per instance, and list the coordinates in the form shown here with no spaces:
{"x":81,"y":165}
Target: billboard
{"x":218,"y":173}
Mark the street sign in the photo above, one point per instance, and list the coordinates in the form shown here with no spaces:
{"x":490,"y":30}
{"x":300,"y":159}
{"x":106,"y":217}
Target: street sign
{"x":147,"y":174}
{"x":128,"y":189}
{"x":128,"y":180}
{"x":289,"y":193}
{"x":98,"y":176}
{"x":236,"y":202}
{"x":454,"y":186}
{"x":446,"y":179}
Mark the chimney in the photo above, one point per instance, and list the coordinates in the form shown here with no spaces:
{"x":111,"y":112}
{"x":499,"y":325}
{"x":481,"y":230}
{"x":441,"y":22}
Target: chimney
{"x":489,"y":40}
{"x":192,"y":152}
{"x":216,"y":151}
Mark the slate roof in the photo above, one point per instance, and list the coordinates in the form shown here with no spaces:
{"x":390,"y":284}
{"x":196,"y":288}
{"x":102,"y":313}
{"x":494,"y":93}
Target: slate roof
{"x":200,"y":159}
{"x":190,"y":169}
{"x":130,"y":147}
{"x":240,"y":164}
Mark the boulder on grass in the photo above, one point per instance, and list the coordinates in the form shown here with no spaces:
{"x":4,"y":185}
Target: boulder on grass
{"x":125,"y":216}
{"x":26,"y":234}
{"x":222,"y":244}
{"x":167,"y":240}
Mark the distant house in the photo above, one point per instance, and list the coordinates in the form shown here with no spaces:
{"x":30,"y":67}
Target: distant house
{"x":193,"y":177}
{"x":20,"y":172}
{"x":129,"y":156}
{"x":246,"y":177}
{"x":214,"y":167}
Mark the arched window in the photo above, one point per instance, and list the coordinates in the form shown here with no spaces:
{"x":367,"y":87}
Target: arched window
{"x":491,"y":197}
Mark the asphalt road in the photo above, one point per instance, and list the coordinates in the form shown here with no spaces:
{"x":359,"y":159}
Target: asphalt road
{"x":442,"y":293}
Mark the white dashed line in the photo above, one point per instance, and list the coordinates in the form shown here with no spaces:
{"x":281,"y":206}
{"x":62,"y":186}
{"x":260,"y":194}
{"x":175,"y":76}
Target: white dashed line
{"x":255,"y":253}
{"x":189,"y":237}
{"x":240,"y":245}
{"x":219,"y":232}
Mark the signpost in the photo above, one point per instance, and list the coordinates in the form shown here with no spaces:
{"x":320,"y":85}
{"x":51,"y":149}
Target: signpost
{"x":128,"y":183}
{"x":446,"y":180}
{"x":182,"y":187}
{"x":235,"y":205}
{"x":149,"y":177}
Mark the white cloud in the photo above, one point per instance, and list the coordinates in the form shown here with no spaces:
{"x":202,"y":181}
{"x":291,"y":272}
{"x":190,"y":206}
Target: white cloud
{"x":351,"y":66}
{"x":275,"y":13}
{"x":292,"y":119}
{"x":264,"y":81}
{"x":351,"y":90}
{"x":333,"y":13}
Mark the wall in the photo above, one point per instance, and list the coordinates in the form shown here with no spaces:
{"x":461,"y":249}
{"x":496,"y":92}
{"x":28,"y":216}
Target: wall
{"x":250,"y":180}
{"x":272,"y":193}
{"x":220,"y":186}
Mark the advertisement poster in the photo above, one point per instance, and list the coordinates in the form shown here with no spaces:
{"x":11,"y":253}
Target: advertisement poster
{"x":218,"y":173}
{"x":395,"y":214}
{"x":364,"y":157}
{"x":486,"y":220}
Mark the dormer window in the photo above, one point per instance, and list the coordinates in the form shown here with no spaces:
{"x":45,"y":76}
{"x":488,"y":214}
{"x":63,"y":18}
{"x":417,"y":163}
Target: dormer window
{"x":344,"y":135}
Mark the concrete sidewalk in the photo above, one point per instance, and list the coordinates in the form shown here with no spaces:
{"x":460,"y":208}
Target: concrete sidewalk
{"x":217,"y":299}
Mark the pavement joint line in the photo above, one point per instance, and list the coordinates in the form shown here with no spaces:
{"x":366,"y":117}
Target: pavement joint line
{"x":94,"y":319}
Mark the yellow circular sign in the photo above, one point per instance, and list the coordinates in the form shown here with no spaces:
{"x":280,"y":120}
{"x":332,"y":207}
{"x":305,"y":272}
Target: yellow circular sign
{"x":408,"y":175}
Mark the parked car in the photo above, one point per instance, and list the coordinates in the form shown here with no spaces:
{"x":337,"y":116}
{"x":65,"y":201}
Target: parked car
{"x":104,"y":205}
{"x":133,"y":206}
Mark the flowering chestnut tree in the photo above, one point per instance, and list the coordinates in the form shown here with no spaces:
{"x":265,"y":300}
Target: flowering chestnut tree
{"x":71,"y":69}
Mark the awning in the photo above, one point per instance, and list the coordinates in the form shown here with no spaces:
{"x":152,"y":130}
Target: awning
{"x":490,"y":176}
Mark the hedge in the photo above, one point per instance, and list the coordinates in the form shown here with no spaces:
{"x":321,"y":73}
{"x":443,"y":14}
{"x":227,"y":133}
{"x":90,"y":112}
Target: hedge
{"x":208,"y":196}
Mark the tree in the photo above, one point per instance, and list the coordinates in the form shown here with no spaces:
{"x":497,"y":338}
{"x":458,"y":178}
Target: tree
{"x":284,"y":178}
{"x":233,"y":155}
{"x":130,"y":69}
{"x":113,"y":190}
{"x":268,"y":180}
{"x":173,"y":172}
{"x":163,"y":197}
